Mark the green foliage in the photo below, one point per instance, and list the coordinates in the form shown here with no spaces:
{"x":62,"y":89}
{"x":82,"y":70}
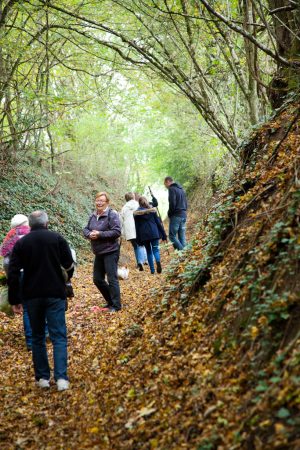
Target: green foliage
{"x":67,"y":202}
{"x":141,"y":140}
{"x":209,"y":443}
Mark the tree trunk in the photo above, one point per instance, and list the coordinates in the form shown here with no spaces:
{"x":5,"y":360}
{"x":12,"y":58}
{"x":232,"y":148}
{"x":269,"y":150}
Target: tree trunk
{"x":286,"y":22}
{"x":251,"y":60}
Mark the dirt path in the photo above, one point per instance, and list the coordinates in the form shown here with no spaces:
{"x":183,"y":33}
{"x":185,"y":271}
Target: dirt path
{"x":31,"y":418}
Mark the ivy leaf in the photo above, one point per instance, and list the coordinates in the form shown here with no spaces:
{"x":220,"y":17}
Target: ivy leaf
{"x":283,"y":413}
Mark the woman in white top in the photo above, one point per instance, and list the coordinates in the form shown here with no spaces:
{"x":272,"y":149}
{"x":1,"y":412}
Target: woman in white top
{"x":128,"y":227}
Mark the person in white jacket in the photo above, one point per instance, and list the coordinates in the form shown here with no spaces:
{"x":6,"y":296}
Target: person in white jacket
{"x":128,"y":227}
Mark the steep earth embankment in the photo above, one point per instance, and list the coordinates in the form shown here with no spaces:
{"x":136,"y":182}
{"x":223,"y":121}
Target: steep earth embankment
{"x":214,"y":363}
{"x":209,"y":357}
{"x":67,"y":198}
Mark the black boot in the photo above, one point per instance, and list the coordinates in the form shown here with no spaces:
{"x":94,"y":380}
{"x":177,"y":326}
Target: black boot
{"x":158,"y":267}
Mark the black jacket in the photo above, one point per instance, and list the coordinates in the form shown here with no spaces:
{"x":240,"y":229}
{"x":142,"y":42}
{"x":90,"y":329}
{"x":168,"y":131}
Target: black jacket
{"x":177,"y":201}
{"x":41,"y":253}
{"x":154,"y":202}
{"x":148,"y":226}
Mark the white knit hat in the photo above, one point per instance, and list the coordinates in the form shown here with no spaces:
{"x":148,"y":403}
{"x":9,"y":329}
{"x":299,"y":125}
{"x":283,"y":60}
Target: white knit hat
{"x":18,"y":219}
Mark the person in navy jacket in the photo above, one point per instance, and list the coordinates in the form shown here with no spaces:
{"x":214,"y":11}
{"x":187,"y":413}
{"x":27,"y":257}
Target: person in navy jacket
{"x":149,"y":230}
{"x":177,"y":213}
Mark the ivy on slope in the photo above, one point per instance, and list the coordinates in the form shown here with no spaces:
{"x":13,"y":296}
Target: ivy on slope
{"x":217,"y":359}
{"x":241,"y":280}
{"x":29,"y":188}
{"x":209,"y":360}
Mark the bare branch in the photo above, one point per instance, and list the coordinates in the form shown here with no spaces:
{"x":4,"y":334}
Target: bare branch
{"x":282,"y":8}
{"x":250,"y":37}
{"x":6,"y":11}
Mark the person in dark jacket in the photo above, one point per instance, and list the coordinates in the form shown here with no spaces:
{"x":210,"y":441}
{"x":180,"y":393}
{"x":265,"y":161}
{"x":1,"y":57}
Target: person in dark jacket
{"x":42,"y":254}
{"x":149,"y":231}
{"x":177,"y":213}
{"x":19,"y":228}
{"x":103,"y":230}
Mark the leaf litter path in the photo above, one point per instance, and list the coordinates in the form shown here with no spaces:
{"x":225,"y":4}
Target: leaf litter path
{"x":31,"y":418}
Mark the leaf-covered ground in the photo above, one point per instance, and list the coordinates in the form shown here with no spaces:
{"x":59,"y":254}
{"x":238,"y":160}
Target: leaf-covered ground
{"x":92,"y":414}
{"x":205,"y":356}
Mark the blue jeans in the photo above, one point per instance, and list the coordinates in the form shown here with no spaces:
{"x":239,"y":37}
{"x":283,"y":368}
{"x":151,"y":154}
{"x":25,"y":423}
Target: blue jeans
{"x":107,"y":264}
{"x":138,"y":251}
{"x":26,"y":321}
{"x":177,"y":226}
{"x":52,"y":309}
{"x":152,"y":249}
{"x":144,"y":254}
{"x":27,"y":327}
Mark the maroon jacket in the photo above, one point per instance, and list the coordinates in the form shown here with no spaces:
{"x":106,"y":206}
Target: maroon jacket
{"x":109,"y":226}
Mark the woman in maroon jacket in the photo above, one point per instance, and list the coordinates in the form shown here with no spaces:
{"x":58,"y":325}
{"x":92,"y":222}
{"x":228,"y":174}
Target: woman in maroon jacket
{"x":103,"y":230}
{"x":149,"y":231}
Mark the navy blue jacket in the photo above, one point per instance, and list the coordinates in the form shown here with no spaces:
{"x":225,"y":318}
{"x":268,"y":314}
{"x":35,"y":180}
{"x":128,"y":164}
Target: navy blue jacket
{"x":148,"y":226}
{"x":177,"y":201}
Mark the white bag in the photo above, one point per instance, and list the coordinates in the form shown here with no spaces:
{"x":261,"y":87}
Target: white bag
{"x":5,"y":307}
{"x":123,"y":273}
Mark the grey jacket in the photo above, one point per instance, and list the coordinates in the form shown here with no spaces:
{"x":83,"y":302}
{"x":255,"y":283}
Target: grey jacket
{"x":110,"y":230}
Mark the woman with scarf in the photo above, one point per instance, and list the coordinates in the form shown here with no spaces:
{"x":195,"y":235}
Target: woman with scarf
{"x":19,"y":227}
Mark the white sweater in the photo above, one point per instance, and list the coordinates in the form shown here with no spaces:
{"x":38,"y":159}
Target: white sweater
{"x":127,"y":220}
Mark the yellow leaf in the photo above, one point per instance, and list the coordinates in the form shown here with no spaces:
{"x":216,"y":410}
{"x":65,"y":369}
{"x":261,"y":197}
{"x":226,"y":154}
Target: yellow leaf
{"x":254,"y":332}
{"x":265,"y":423}
{"x":131,"y":393}
{"x":154,"y":443}
{"x":144,"y":412}
{"x":279,"y":428}
{"x":263,"y":321}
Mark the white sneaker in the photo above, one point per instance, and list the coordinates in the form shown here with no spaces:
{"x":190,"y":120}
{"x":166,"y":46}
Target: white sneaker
{"x":42,"y":383}
{"x":62,"y":384}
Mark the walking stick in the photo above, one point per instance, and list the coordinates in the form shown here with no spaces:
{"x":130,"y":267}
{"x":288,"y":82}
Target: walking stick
{"x":151,"y":193}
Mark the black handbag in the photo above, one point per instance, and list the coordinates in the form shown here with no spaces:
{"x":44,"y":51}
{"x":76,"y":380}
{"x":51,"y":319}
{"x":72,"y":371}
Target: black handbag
{"x":69,"y":290}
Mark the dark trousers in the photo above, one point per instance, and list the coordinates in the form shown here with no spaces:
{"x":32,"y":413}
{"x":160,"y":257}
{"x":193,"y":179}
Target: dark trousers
{"x":107,"y":264}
